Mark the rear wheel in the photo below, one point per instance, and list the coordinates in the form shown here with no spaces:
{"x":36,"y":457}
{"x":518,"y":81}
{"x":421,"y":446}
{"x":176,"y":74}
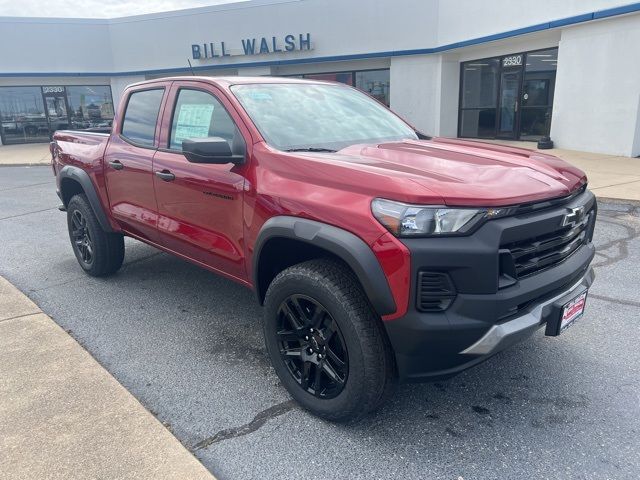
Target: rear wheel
{"x":325,"y":342}
{"x":98,"y":252}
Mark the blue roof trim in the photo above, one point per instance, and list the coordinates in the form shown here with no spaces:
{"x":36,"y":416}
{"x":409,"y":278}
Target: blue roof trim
{"x":610,"y":12}
{"x":571,"y":20}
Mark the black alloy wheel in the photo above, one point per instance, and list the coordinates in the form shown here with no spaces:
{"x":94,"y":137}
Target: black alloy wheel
{"x":312,"y":346}
{"x":81,"y":237}
{"x":98,"y":252}
{"x":325,"y":341}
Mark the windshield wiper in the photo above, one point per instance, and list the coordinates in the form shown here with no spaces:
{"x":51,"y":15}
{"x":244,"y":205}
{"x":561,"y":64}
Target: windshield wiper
{"x":310,"y":149}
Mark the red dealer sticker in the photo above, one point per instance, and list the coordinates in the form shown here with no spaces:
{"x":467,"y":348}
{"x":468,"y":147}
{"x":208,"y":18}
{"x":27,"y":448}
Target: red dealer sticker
{"x":573,"y":310}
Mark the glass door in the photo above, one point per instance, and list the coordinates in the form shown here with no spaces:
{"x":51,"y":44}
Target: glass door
{"x":55,"y":102}
{"x":509,"y":99}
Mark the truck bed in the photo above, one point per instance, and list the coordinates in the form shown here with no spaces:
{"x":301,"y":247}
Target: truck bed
{"x":80,"y":148}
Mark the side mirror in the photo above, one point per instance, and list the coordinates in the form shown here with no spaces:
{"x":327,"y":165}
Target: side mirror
{"x":210,"y":150}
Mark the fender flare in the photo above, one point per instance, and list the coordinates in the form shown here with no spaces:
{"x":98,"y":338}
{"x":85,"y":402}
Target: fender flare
{"x":79,"y":175}
{"x":343,"y":244}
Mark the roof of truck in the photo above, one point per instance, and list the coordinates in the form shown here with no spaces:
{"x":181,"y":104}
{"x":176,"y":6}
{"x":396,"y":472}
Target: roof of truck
{"x":227,"y":81}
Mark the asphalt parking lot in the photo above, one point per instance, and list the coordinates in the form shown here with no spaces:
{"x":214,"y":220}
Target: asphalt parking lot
{"x":188,"y":345}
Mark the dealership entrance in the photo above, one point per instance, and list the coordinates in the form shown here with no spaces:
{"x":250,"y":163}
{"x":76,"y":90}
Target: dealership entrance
{"x":509,"y":97}
{"x":32,"y":114}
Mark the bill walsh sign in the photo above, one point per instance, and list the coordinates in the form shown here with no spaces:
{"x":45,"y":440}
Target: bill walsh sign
{"x":252,"y":46}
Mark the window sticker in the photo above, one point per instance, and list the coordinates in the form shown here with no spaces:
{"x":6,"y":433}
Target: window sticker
{"x":258,"y":95}
{"x":194,"y":121}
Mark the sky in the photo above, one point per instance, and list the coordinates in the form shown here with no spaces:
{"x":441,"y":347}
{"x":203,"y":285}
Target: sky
{"x":96,"y":8}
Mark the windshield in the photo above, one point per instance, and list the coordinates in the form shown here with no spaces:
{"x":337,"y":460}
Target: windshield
{"x":318,"y":117}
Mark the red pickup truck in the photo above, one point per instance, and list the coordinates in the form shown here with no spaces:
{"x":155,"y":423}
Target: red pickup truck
{"x":379,"y":254}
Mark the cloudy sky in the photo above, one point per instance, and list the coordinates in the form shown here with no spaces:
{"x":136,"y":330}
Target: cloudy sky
{"x":95,"y":8}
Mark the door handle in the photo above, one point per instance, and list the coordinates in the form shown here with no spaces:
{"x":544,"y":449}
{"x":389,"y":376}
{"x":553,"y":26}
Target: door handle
{"x":116,"y":165}
{"x":165,"y":175}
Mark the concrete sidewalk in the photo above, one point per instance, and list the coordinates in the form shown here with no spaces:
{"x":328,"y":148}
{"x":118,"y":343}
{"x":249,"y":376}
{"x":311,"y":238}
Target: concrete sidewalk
{"x":27,"y":154}
{"x":63,"y":416}
{"x":609,"y":176}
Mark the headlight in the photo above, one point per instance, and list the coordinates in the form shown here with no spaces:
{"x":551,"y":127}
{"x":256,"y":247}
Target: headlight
{"x":404,"y":220}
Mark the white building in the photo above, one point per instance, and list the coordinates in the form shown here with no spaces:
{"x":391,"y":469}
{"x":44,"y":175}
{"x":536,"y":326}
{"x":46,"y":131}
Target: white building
{"x":484,"y":69}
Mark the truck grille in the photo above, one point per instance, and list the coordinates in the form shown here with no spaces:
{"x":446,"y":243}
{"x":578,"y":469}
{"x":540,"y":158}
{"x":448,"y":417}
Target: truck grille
{"x":541,"y":252}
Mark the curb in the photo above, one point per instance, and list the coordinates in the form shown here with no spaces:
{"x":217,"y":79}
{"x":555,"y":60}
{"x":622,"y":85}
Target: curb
{"x":62,"y":415}
{"x":25,"y":165}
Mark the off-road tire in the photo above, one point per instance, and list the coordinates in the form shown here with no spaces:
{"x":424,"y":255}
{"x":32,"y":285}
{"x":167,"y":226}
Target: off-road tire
{"x":107,"y":248}
{"x":371,"y":367}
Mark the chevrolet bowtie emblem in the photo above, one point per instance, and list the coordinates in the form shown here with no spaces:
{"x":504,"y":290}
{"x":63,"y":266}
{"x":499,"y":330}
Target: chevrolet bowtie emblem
{"x":574,"y":217}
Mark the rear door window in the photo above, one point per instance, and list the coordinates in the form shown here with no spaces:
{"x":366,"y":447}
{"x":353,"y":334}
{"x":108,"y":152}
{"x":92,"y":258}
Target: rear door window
{"x":141,"y":117}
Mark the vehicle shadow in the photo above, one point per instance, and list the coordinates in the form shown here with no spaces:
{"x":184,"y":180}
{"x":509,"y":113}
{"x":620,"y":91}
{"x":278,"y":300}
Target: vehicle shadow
{"x":506,"y":389}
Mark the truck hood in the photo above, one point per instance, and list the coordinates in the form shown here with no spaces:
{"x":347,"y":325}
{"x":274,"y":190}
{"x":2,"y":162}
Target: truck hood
{"x":464,"y":172}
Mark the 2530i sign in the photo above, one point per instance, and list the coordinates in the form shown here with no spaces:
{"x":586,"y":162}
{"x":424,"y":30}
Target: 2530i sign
{"x":252,"y":46}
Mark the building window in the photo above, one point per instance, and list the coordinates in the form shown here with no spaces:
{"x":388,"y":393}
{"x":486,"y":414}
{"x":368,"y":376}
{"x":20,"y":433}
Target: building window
{"x":374,"y":82}
{"x":479,"y":98}
{"x":32,"y":114}
{"x":508,"y":97}
{"x":23,"y":115}
{"x":90,"y":106}
{"x":342,"y":77}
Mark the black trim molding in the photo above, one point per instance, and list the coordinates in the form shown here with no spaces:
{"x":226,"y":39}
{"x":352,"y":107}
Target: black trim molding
{"x":345,"y":245}
{"x":78,"y":175}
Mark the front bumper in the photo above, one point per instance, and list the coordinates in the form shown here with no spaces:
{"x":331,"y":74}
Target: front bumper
{"x":485,"y":317}
{"x":507,"y":333}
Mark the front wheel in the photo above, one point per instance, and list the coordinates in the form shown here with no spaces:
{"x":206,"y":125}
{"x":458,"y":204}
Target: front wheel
{"x":326,"y":343}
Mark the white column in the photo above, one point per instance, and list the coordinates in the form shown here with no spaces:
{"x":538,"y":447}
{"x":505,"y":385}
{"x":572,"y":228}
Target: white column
{"x":597,"y":95}
{"x":448,"y":98}
{"x":414,"y":90}
{"x":424,"y":91}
